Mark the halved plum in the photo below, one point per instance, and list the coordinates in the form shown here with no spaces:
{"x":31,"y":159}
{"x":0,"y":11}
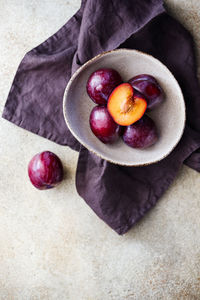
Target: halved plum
{"x":124,"y":106}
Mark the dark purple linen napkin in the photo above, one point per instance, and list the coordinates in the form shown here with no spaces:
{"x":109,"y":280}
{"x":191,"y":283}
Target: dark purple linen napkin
{"x":118,"y":195}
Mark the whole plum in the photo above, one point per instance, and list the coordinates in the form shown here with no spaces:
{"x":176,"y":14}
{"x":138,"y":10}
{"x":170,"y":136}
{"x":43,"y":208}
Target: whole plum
{"x":45,"y":170}
{"x":101,"y":83}
{"x":141,"y":134}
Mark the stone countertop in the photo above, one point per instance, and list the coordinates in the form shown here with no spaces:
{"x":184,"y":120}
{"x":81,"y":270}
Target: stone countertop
{"x":52,"y":245}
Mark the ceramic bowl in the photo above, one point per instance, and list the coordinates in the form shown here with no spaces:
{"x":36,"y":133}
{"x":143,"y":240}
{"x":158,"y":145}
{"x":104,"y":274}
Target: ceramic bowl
{"x":169,"y":116}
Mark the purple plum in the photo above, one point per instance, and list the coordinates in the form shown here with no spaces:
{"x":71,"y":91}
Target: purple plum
{"x":141,"y":134}
{"x":45,"y":170}
{"x":148,"y":86}
{"x":103,"y":126}
{"x":101,"y":83}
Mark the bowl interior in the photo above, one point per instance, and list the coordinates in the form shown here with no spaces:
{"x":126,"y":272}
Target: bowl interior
{"x":169,"y":116}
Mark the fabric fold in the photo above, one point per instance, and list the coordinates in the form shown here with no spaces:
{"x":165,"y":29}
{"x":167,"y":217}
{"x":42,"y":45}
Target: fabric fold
{"x":35,"y":98}
{"x":107,"y":24}
{"x":121,"y":196}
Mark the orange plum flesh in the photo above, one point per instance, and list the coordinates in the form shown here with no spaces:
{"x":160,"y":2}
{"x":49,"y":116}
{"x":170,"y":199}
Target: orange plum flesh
{"x":125,"y":107}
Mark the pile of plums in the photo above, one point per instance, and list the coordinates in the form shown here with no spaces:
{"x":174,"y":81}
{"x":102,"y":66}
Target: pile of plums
{"x":121,"y":107}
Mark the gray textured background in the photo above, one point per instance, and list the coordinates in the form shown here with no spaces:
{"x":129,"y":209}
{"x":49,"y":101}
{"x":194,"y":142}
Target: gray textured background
{"x":52,"y":246}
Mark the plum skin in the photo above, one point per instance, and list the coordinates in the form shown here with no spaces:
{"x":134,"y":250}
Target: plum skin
{"x":103,"y":126}
{"x":101,"y":83}
{"x":45,"y":170}
{"x":145,"y":77}
{"x":141,"y":134}
{"x":148,"y":86}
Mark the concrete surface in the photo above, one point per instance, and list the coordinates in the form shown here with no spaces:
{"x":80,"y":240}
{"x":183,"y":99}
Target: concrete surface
{"x":52,"y":246}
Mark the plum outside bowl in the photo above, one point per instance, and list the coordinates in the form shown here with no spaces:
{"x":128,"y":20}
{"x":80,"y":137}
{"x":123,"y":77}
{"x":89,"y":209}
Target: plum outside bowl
{"x":169,"y":116}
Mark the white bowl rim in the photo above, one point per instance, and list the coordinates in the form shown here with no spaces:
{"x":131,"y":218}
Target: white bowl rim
{"x":92,"y":150}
